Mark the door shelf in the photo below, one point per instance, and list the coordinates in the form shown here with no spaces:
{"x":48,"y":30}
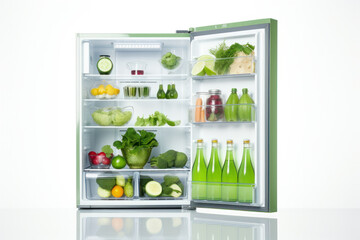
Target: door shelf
{"x":136,"y":78}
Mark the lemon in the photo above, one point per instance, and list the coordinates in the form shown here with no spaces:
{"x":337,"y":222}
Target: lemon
{"x":101,"y":89}
{"x":108,"y":87}
{"x":117,"y":91}
{"x":94,"y":91}
{"x":110,"y":91}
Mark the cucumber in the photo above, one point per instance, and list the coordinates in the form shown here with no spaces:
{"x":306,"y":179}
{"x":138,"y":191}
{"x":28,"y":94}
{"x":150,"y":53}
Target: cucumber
{"x":153,"y":189}
{"x":104,"y":65}
{"x":176,"y":190}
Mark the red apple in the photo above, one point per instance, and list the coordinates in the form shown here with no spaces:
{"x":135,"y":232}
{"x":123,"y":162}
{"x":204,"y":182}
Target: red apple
{"x":92,"y":155}
{"x":106,"y":161}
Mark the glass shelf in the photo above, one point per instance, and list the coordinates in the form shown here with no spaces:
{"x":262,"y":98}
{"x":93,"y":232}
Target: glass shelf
{"x":244,"y":75}
{"x":137,"y":100}
{"x":136,"y":78}
{"x":138,"y":127}
{"x":137,"y":170}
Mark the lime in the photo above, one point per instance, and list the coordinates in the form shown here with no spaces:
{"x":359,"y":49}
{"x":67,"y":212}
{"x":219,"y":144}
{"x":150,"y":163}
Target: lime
{"x":198,"y":69}
{"x":118,"y":162}
{"x":209,"y":64}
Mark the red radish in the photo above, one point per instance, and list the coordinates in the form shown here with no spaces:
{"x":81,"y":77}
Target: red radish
{"x":92,"y":155}
{"x":102,"y":154}
{"x":106,"y":161}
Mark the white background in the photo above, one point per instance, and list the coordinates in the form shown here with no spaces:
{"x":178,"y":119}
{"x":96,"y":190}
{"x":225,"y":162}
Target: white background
{"x":318,"y":91}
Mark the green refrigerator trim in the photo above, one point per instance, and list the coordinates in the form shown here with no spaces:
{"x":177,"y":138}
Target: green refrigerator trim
{"x":272,"y":96}
{"x":273,"y":118}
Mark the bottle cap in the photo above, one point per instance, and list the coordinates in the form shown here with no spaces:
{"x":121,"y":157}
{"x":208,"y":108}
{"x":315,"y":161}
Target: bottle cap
{"x":229,"y":141}
{"x":199,"y":140}
{"x":214,"y":141}
{"x":215,"y":91}
{"x":246,"y":141}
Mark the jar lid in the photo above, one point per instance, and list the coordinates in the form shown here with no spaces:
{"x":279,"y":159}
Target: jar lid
{"x":105,"y":56}
{"x":215,"y":91}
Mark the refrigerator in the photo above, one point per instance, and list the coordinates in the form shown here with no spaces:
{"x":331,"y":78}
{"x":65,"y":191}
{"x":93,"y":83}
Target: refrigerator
{"x":171,"y":224}
{"x":190,"y":60}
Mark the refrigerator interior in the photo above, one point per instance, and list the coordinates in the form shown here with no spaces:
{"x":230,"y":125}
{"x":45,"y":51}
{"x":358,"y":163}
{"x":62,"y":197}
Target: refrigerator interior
{"x":182,"y":138}
{"x":172,"y":224}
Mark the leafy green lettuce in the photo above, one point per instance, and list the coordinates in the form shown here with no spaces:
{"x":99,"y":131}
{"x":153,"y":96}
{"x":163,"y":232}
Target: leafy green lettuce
{"x":137,"y":140}
{"x":156,"y":119}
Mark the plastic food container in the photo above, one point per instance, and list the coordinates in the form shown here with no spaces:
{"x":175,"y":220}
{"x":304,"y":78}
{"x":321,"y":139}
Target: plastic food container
{"x":143,"y":91}
{"x":104,"y":90}
{"x":137,"y":68}
{"x":130,"y":92}
{"x":112,"y":116}
{"x":99,"y":161}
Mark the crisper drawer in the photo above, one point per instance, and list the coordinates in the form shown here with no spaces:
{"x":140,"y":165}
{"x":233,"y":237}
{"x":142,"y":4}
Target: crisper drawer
{"x":110,"y":186}
{"x":163,"y":186}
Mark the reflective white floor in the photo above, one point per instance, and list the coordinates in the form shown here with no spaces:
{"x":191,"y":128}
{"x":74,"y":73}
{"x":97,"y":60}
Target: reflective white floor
{"x":178,"y":224}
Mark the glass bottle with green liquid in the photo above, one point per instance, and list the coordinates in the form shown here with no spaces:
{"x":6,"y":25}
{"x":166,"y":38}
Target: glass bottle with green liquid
{"x":213,"y":176}
{"x":229,"y":175}
{"x":246,"y":176}
{"x":199,"y":173}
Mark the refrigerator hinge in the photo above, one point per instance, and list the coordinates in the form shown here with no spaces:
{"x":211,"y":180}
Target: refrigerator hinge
{"x":184,"y":31}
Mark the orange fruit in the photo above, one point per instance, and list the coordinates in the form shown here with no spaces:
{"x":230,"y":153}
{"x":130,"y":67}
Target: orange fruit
{"x":117,"y":191}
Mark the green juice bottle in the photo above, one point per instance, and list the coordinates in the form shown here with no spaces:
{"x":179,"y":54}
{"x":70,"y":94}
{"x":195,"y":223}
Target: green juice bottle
{"x":246,"y":176}
{"x":199,"y":173}
{"x":231,"y":107}
{"x":213,"y":177}
{"x":168,"y":91}
{"x":161,"y":94}
{"x":229,"y":175}
{"x":246,"y":112}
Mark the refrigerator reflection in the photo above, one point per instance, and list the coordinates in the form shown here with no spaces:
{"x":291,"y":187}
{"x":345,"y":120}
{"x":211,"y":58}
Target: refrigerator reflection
{"x":171,"y":224}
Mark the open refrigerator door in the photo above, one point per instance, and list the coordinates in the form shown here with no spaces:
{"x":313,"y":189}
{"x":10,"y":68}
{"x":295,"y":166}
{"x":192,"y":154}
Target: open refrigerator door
{"x":239,"y":132}
{"x":139,"y":117}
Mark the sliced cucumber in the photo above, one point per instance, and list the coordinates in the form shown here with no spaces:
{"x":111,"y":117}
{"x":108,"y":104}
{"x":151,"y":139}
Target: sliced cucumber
{"x":104,"y":66}
{"x":176,"y":190}
{"x":153,"y":189}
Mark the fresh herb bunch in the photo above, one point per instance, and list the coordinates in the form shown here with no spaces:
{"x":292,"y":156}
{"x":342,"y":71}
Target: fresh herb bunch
{"x":225,"y":55}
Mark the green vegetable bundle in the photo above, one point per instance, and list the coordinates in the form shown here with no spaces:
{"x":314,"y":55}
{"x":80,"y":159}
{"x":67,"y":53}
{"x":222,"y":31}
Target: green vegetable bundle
{"x":170,"y":61}
{"x":225,"y":55}
{"x":169,"y":159}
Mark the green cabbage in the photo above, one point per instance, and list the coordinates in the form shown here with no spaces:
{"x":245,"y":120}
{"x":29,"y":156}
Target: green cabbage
{"x":115,"y":117}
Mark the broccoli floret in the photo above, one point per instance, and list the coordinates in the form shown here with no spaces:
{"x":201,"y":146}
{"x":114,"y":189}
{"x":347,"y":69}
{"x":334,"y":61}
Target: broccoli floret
{"x":158,"y":162}
{"x":181,"y":186}
{"x":180,"y":160}
{"x":170,"y":61}
{"x":106,"y":183}
{"x":170,"y":157}
{"x":169,"y":180}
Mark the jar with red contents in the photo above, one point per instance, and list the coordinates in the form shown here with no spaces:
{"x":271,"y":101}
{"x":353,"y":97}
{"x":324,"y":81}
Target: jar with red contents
{"x":214,"y":106}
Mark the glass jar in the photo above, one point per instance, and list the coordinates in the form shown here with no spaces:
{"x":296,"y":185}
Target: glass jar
{"x":214,"y":106}
{"x":104,"y":65}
